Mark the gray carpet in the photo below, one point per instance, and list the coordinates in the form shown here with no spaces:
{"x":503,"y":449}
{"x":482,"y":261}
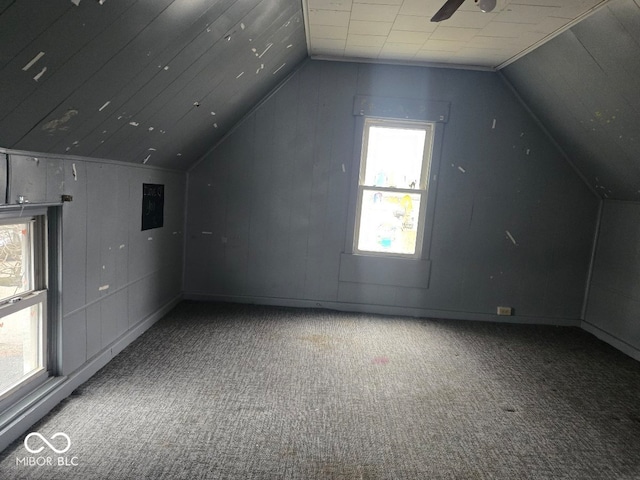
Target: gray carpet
{"x":247,"y":392}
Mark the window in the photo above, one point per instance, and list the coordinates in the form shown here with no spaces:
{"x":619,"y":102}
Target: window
{"x":392,"y":187}
{"x":23,"y":303}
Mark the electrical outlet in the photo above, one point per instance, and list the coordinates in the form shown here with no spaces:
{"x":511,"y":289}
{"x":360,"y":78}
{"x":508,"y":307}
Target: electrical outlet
{"x":505,"y":311}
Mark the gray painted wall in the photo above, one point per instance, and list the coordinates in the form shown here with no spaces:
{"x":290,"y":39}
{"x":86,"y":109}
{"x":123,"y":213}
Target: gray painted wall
{"x":115,"y":276}
{"x":138,"y":80}
{"x":583,"y":85}
{"x":268,"y":207}
{"x":613,"y":309}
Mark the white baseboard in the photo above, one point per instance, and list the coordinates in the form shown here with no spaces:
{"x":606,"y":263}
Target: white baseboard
{"x":615,"y":342}
{"x":57,"y":389}
{"x":385,"y":309}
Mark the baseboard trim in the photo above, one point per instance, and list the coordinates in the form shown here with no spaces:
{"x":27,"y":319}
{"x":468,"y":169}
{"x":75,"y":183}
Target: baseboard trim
{"x":383,"y":309}
{"x":615,"y":342}
{"x":57,"y":389}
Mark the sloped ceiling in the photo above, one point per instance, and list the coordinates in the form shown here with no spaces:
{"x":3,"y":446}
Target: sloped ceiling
{"x":584,"y":86}
{"x":143,"y":81}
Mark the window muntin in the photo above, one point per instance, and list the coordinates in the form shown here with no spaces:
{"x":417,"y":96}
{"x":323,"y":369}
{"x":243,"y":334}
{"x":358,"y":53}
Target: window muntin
{"x":392,"y":188}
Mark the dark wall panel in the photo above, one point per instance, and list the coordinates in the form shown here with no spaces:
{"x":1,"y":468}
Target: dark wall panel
{"x":269,"y":207}
{"x":113,"y":277}
{"x":583,"y":85}
{"x":138,"y":80}
{"x":614,"y":297}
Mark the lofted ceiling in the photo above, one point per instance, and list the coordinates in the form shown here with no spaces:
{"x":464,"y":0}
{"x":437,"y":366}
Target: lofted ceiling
{"x":583,"y":86}
{"x":143,"y":81}
{"x":160,"y":82}
{"x":401,"y":30}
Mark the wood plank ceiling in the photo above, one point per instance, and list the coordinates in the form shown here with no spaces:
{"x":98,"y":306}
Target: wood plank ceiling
{"x":401,"y":30}
{"x":143,"y":81}
{"x":583,"y":86}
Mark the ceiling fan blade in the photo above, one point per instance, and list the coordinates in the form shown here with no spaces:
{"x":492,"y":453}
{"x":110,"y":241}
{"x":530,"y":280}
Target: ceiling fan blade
{"x":448,"y":9}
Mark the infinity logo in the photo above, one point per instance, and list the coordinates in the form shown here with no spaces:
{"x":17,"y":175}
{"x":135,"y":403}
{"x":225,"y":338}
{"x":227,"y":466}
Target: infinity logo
{"x":38,"y":450}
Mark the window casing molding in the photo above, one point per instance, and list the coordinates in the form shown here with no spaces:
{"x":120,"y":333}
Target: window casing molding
{"x":429,"y":203}
{"x":46,"y":230}
{"x":421,"y":189}
{"x":386,"y":269}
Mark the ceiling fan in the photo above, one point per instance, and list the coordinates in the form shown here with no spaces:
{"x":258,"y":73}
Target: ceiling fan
{"x":450,"y":7}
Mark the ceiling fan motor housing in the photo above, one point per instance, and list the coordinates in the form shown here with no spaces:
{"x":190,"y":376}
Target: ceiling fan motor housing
{"x":486,"y":5}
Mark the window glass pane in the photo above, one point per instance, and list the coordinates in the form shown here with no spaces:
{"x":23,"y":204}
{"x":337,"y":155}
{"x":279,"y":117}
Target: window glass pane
{"x":388,"y":222}
{"x":394,"y":157}
{"x":20,"y":346}
{"x":16,"y":270}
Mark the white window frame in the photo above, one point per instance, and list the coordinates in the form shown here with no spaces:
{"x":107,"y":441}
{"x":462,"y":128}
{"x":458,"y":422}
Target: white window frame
{"x":422,"y":189}
{"x":35,"y":296}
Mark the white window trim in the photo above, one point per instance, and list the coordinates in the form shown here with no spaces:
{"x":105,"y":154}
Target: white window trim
{"x":37,"y":296}
{"x":422,"y":189}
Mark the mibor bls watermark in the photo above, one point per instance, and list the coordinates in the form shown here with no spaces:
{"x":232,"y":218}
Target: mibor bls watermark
{"x":58,"y":444}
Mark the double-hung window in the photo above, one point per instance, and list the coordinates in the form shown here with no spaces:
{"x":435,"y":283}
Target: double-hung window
{"x":23,"y":302}
{"x":393,"y":187}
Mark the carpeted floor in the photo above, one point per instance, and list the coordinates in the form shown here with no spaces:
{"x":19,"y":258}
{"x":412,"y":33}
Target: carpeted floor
{"x":248,"y":392}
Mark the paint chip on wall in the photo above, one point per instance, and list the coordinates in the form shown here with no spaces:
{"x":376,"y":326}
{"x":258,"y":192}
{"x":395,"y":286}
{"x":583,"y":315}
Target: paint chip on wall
{"x":265,"y":50}
{"x":74,"y":171}
{"x":39,"y":75}
{"x":103,"y":288}
{"x":33,"y":61}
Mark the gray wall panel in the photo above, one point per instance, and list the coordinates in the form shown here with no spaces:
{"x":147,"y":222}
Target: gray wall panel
{"x":74,"y":331}
{"x":105,"y":214}
{"x":100,"y":219}
{"x":113,"y":313}
{"x":74,"y":227}
{"x":94,"y":331}
{"x":38,"y":15}
{"x":119,"y":80}
{"x":68,"y":41}
{"x":499,"y":175}
{"x":38,"y":179}
{"x":583,"y":87}
{"x":104,"y":55}
{"x":614,"y":298}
